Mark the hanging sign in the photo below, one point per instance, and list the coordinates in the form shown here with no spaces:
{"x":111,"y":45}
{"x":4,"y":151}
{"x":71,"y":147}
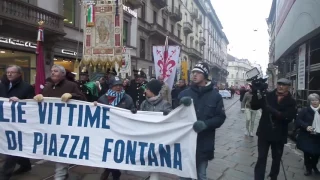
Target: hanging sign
{"x":17,"y":42}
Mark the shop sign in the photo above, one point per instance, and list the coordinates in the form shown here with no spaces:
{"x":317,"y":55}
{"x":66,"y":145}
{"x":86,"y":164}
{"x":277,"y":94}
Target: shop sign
{"x":130,"y":11}
{"x":68,"y":52}
{"x":17,"y":42}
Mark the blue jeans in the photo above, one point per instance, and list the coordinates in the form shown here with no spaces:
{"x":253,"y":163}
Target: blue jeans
{"x":201,"y":171}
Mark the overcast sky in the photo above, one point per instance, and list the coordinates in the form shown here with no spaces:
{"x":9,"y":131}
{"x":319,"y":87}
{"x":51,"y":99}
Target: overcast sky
{"x":239,"y":18}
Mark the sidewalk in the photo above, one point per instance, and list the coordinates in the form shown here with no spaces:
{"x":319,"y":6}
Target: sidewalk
{"x":235,"y":157}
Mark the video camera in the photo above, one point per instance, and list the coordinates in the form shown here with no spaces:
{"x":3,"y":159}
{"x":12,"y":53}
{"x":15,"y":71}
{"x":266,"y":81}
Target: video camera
{"x":258,"y":83}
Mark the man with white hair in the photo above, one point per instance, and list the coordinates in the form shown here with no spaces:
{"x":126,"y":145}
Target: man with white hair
{"x":60,"y":87}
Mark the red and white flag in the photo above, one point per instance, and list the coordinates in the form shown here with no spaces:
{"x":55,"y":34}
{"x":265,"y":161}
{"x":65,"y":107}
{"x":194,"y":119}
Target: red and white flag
{"x":165,"y":61}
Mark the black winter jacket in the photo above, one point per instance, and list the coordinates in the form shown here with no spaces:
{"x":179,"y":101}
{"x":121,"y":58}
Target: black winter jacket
{"x":209,"y":108}
{"x":281,"y":114}
{"x":19,"y":89}
{"x":306,"y":141}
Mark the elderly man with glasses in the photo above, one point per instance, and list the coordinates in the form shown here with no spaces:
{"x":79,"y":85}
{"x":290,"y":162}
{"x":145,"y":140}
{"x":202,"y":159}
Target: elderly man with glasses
{"x":13,"y":87}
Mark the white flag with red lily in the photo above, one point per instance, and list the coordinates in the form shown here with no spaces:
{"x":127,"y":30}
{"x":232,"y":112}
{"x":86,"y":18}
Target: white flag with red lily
{"x":165,"y":61}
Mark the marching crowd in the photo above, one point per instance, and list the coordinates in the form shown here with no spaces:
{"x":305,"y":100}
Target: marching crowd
{"x":137,"y":94}
{"x":278,"y":110}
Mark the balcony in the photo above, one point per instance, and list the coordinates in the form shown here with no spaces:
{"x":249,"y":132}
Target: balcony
{"x":202,"y":41}
{"x":199,"y":20}
{"x":159,"y":3}
{"x":25,"y":14}
{"x":187,"y":27}
{"x":134,"y":4}
{"x":176,"y":15}
{"x":157,"y":29}
{"x":194,"y":13}
{"x":194,"y":53}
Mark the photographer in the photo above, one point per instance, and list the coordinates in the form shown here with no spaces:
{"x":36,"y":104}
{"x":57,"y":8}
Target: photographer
{"x":278,"y":110}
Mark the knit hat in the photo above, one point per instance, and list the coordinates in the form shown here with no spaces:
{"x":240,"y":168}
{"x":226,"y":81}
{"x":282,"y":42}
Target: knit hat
{"x":203,"y":68}
{"x":154,"y":86}
{"x":115,"y":81}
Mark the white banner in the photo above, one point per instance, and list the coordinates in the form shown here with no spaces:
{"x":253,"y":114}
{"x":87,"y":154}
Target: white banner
{"x":100,"y":136}
{"x":169,"y":65}
{"x":302,"y":67}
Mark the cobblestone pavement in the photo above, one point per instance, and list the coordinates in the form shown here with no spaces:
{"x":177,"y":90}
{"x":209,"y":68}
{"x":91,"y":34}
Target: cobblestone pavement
{"x":235,"y":157}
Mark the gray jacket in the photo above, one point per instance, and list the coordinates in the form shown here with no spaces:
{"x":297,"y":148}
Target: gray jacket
{"x":158,"y":105}
{"x":246,"y":102}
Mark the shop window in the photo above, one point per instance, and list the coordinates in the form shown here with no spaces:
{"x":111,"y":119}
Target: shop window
{"x":69,"y":11}
{"x":125,"y":33}
{"x":27,"y":61}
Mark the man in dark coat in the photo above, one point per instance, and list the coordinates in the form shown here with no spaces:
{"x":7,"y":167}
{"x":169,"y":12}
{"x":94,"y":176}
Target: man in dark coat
{"x":278,"y":110}
{"x":60,"y":87}
{"x":117,"y":97}
{"x":137,"y":88}
{"x":176,"y":91}
{"x":210,"y":113}
{"x":89,"y":89}
{"x":14,"y":88}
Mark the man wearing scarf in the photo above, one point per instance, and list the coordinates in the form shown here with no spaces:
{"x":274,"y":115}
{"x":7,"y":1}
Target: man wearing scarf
{"x":116,"y":97}
{"x":278,"y":110}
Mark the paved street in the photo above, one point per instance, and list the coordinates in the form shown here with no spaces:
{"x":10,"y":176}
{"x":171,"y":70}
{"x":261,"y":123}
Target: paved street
{"x":235,"y":157}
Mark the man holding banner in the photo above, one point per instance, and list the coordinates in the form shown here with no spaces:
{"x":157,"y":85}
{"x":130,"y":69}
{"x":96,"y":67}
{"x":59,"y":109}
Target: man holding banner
{"x":209,"y":107}
{"x":60,"y":87}
{"x":14,"y":88}
{"x":117,"y":97}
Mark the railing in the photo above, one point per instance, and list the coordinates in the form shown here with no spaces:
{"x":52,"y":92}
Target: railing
{"x":194,"y":13}
{"x":176,"y":14}
{"x":194,"y":52}
{"x":159,"y":3}
{"x":187,"y":26}
{"x":30,"y":14}
{"x":199,"y":19}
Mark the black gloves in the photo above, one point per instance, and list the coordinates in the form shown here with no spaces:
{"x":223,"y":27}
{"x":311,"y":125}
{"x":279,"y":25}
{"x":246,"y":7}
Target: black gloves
{"x":199,"y":126}
{"x":166,"y":113}
{"x":134,"y":110}
{"x":186,"y":101}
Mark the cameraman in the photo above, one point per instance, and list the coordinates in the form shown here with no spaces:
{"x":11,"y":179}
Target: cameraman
{"x":278,"y":110}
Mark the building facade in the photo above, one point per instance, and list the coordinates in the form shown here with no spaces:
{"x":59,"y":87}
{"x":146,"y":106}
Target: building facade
{"x":191,"y":24}
{"x":63,"y":33}
{"x":237,"y":69}
{"x":297,"y":42}
{"x":272,"y":68}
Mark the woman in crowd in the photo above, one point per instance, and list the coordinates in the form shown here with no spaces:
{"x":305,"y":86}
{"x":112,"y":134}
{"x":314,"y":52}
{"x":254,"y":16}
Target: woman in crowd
{"x":308,"y":140}
{"x":154,"y":102}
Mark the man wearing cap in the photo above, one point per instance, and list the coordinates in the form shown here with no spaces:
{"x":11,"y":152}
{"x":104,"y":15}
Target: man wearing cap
{"x":278,"y":110}
{"x":209,"y":108}
{"x":117,"y":97}
{"x":136,"y":88}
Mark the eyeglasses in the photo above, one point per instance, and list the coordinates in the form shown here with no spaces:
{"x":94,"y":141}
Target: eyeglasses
{"x":12,"y":72}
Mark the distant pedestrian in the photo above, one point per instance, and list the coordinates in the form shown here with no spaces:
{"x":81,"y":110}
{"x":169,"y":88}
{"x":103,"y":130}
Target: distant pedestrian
{"x":249,"y":113}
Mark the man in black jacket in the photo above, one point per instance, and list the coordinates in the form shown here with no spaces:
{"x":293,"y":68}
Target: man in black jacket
{"x":210,"y":113}
{"x":278,"y":110}
{"x":14,"y":88}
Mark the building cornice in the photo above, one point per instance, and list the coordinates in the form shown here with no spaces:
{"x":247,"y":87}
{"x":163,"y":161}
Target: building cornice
{"x":272,"y":12}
